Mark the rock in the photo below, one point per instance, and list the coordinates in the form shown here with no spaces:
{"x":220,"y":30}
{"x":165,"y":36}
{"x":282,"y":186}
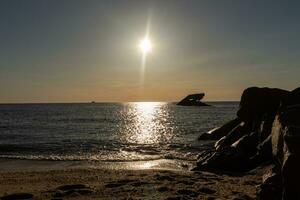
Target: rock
{"x":257,"y":101}
{"x":267,"y":129}
{"x":218,"y":133}
{"x":293,"y":98}
{"x":264,"y":150}
{"x":258,"y":107}
{"x":270,"y":187}
{"x":271,"y":177}
{"x":241,"y":136}
{"x":227,"y":159}
{"x":286,"y":149}
{"x":282,"y":183}
{"x":247,"y":144}
{"x":193,"y":100}
{"x":220,"y":142}
{"x":234,"y":135}
{"x":203,"y":156}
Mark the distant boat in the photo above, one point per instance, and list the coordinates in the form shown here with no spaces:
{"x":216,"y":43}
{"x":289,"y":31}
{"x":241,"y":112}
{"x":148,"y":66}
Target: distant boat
{"x":93,"y":102}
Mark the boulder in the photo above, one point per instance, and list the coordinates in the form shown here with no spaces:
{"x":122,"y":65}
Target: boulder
{"x":218,"y":133}
{"x":271,"y":186}
{"x":264,"y":150}
{"x":247,"y":144}
{"x":193,"y":100}
{"x":229,"y":159}
{"x":286,"y":149}
{"x":257,"y":101}
{"x":235,"y":134}
{"x":267,"y":128}
{"x":292,"y":99}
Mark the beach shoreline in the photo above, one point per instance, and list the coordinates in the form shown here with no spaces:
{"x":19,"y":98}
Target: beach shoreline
{"x":11,"y":165}
{"x":93,"y":183}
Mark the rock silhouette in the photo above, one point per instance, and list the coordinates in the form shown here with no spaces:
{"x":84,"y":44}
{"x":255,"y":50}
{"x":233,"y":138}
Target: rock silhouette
{"x":218,"y":133}
{"x":267,"y":129}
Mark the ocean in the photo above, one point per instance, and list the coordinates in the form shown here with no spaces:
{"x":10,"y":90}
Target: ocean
{"x":108,"y":132}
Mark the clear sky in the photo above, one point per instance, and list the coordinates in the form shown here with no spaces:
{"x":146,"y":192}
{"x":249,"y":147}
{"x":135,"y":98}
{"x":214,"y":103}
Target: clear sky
{"x":78,"y":51}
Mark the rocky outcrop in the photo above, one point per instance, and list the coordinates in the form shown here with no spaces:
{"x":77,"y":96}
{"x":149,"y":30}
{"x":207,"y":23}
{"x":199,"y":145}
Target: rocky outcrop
{"x":257,"y":102}
{"x":267,"y":129}
{"x":193,"y":100}
{"x":218,"y":133}
{"x":286,"y":147}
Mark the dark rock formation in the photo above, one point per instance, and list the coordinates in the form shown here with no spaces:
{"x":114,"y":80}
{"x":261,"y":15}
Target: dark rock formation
{"x":235,"y":134}
{"x":286,"y":150}
{"x":255,"y":102}
{"x":267,"y":129}
{"x":218,"y":133}
{"x":193,"y":100}
{"x":292,"y":99}
{"x":257,"y":110}
{"x":247,"y":144}
{"x":229,"y":159}
{"x":270,"y":187}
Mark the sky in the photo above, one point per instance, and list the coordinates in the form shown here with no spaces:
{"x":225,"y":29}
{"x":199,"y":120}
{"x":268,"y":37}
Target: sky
{"x":87,"y":50}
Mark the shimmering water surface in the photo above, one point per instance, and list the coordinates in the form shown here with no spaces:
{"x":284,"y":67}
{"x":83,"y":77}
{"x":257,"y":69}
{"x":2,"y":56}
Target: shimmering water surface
{"x":107,"y":132}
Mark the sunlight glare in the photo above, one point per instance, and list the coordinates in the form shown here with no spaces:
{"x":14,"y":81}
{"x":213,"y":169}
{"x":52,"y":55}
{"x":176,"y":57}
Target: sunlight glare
{"x":147,"y":118}
{"x":145,"y":45}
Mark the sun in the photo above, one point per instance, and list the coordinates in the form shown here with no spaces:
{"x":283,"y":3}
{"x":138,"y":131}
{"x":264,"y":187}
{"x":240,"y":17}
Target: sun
{"x":145,"y":45}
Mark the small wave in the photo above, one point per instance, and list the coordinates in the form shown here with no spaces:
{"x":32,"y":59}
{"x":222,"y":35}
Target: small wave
{"x":104,"y":156}
{"x":66,"y":158}
{"x":116,"y":156}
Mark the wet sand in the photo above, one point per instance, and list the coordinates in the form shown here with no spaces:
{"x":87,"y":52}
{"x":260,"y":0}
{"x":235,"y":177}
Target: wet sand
{"x":89,"y":183}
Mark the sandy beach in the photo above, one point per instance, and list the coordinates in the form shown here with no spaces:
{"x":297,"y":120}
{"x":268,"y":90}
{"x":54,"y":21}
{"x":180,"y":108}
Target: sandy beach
{"x":89,"y":183}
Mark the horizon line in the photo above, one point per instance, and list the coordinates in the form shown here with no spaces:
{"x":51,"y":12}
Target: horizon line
{"x":102,"y":102}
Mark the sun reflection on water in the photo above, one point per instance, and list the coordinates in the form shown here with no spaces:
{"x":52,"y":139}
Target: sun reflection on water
{"x":148,"y":123}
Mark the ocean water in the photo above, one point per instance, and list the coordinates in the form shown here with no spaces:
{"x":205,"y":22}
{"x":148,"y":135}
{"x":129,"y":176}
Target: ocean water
{"x":108,"y":132}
